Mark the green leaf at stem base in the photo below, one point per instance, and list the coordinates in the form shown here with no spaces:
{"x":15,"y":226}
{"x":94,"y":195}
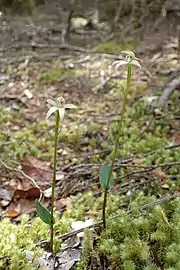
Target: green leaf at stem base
{"x":104,"y":175}
{"x":43,"y":213}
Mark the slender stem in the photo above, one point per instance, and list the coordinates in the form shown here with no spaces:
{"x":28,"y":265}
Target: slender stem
{"x":116,"y":146}
{"x":54,"y":181}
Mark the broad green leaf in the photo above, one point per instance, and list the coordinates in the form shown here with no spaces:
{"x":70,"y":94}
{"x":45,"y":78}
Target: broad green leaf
{"x":51,"y":102}
{"x":103,"y":177}
{"x":130,"y":53}
{"x":43,"y":213}
{"x":51,"y":111}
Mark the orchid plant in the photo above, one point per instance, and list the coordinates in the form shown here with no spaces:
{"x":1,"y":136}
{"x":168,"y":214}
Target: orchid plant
{"x":106,"y":176}
{"x":57,"y":107}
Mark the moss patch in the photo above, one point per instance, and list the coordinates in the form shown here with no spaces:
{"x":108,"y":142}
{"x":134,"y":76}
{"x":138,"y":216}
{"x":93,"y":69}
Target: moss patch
{"x":51,"y":76}
{"x":129,"y":240}
{"x":115,"y":48}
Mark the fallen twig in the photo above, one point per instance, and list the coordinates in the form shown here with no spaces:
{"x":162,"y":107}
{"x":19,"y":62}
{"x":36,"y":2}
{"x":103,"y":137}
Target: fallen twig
{"x":146,"y":168}
{"x":47,"y":45}
{"x":21,"y":172}
{"x":89,"y":176}
{"x":154,"y":151}
{"x":152,"y":167}
{"x":169,"y":89}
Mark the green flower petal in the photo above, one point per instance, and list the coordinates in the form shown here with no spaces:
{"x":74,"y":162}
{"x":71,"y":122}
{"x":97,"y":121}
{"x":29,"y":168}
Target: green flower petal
{"x":129,"y":53}
{"x":135,"y":63}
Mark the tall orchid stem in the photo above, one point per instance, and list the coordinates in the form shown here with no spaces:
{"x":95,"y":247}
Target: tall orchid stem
{"x":116,"y":146}
{"x":54,"y":182}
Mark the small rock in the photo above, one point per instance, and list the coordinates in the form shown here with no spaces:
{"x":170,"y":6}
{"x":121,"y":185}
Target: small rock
{"x":11,"y":84}
{"x":28,"y":93}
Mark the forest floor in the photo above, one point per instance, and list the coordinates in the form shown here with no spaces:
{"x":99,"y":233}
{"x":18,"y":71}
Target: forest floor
{"x":35,"y":66}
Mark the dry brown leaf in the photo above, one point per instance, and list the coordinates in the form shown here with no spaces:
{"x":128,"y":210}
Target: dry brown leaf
{"x":176,"y":138}
{"x":95,"y":187}
{"x":31,"y":194}
{"x":19,"y":207}
{"x":159,"y":174}
{"x":63,"y":203}
{"x":10,"y":214}
{"x":37,"y":169}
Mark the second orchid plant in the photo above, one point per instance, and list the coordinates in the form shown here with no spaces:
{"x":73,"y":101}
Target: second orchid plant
{"x":106,"y":170}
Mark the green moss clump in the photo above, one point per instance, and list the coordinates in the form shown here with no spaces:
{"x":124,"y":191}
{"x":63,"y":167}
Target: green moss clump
{"x":72,"y":137}
{"x":19,"y":6}
{"x":87,"y":250}
{"x":21,"y":238}
{"x":115,"y":48}
{"x":129,"y":240}
{"x":51,"y":76}
{"x":129,"y":43}
{"x":108,"y":47}
{"x":33,"y":139}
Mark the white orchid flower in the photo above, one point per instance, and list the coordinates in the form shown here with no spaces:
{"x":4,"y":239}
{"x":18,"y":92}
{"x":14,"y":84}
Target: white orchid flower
{"x":58,"y":105}
{"x":130,"y":59}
